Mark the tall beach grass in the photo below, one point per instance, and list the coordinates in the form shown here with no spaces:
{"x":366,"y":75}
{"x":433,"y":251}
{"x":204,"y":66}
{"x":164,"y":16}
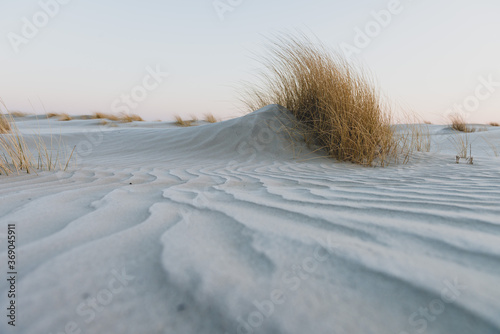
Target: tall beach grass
{"x":335,"y":102}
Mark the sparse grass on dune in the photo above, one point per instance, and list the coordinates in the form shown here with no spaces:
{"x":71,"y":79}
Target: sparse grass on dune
{"x":124,"y":118}
{"x":64,"y":117}
{"x":458,"y":123}
{"x":16,"y":156}
{"x":18,"y":114}
{"x":4,"y":124}
{"x":210,"y":118}
{"x":493,"y":147}
{"x":184,"y":123}
{"x":336,"y":102}
{"x":415,"y":137}
{"x":100,"y":115}
{"x":462,"y":144}
{"x":127,"y":118}
{"x":494,"y":124}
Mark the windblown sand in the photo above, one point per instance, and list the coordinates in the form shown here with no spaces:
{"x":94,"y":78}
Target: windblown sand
{"x":233,"y":228}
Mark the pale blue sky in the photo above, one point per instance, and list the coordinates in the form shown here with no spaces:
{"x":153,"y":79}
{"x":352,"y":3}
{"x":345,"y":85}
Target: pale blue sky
{"x":428,"y":58}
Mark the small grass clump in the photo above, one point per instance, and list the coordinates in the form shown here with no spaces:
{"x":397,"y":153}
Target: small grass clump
{"x":494,"y":124}
{"x":100,"y":115}
{"x":4,"y":124}
{"x":210,"y":118}
{"x":128,"y":118}
{"x":52,"y":115}
{"x":458,"y":123}
{"x":124,"y":118}
{"x":184,"y":123}
{"x":64,"y":117}
{"x":336,"y":102}
{"x":462,"y":144}
{"x":18,"y":114}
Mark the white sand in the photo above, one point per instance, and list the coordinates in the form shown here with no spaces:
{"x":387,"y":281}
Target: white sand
{"x":229,"y":228}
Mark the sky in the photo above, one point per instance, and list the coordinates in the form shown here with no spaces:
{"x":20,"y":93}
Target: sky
{"x":164,"y":58}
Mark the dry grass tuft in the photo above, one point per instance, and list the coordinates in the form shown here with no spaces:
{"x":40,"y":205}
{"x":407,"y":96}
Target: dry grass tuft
{"x":52,"y":115}
{"x":462,"y":144}
{"x":65,"y":117}
{"x":124,"y":118}
{"x":18,"y":114}
{"x":127,"y":118}
{"x":184,"y":123}
{"x":4,"y":124}
{"x":416,"y":137}
{"x":428,"y":122}
{"x":336,"y":102}
{"x":16,"y":155}
{"x":458,"y":123}
{"x":494,"y":124}
{"x":100,"y":115}
{"x":210,"y":118}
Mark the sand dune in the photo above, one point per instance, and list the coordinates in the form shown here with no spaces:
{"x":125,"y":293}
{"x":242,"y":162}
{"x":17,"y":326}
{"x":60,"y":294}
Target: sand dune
{"x":233,"y":227}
